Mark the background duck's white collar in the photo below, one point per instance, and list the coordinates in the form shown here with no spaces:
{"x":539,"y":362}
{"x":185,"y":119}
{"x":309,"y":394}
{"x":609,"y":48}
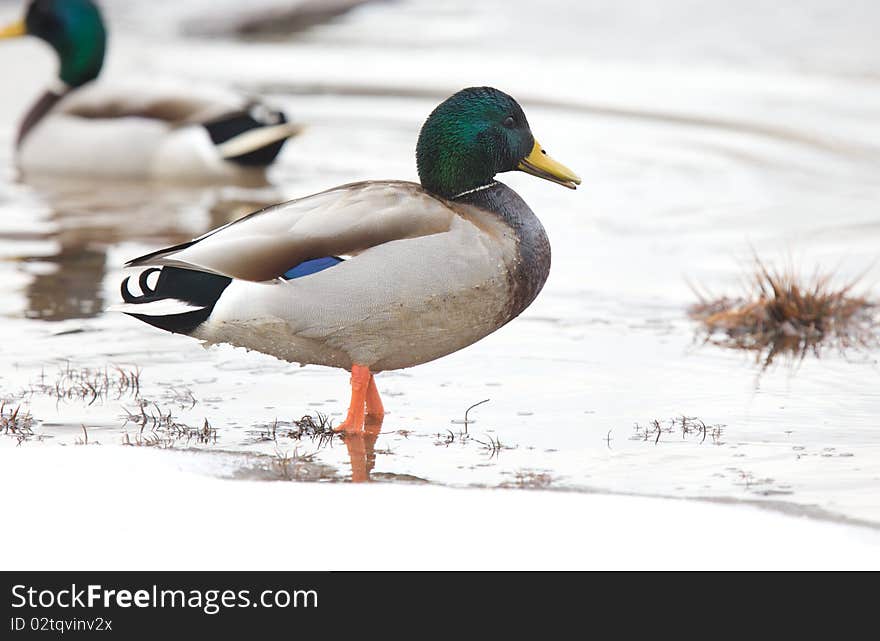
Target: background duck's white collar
{"x":59,"y":87}
{"x":474,"y":190}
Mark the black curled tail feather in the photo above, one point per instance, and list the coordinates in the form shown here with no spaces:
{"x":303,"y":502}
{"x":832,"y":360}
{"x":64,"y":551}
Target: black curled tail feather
{"x":231,"y":125}
{"x":199,"y":289}
{"x":128,"y":297}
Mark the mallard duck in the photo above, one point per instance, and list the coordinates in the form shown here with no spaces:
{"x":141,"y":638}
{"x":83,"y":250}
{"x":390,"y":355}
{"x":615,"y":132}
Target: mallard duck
{"x":278,"y":18}
{"x":84,"y":127}
{"x":377,"y":275}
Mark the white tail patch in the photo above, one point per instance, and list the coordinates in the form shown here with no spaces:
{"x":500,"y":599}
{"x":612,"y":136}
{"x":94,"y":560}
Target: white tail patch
{"x":164,"y":307}
{"x":254,"y":139}
{"x":152,"y":281}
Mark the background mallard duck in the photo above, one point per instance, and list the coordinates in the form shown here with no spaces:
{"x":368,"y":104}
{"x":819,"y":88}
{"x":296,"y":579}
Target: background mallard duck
{"x":376,"y":275}
{"x":85,"y":127}
{"x":270,"y":17}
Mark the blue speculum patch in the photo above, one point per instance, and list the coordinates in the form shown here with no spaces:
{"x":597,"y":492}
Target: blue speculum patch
{"x":312,"y":266}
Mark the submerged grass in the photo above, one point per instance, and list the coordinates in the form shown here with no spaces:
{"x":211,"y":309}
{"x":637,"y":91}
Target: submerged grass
{"x":89,"y":385}
{"x":155,"y":428}
{"x":783,"y":312}
{"x":491,"y":446}
{"x":690,"y":428}
{"x":529,"y":479}
{"x":296,"y":466}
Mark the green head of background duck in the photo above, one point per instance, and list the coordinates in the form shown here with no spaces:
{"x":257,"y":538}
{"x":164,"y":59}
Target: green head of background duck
{"x":74,"y":29}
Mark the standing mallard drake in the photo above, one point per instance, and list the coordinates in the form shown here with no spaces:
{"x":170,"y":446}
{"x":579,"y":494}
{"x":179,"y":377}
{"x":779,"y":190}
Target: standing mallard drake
{"x":375,"y":275}
{"x":84,"y":127}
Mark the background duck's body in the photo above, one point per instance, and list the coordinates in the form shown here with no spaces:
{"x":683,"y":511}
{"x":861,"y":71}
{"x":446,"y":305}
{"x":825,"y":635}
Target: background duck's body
{"x":140,"y":130}
{"x":377,"y":275}
{"x":84,"y":126}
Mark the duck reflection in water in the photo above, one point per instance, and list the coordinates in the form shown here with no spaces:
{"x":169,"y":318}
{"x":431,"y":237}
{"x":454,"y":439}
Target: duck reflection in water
{"x":86,"y":220}
{"x":361,"y":448}
{"x":72,"y":288}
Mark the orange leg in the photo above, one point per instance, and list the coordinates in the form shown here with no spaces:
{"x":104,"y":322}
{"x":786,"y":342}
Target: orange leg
{"x":375,"y":410}
{"x":360,"y":382}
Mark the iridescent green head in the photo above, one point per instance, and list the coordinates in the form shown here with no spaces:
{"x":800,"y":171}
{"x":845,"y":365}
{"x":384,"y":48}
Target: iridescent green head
{"x":73,"y":28}
{"x":475,"y":134}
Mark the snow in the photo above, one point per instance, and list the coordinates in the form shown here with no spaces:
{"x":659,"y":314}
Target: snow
{"x":110,"y":507}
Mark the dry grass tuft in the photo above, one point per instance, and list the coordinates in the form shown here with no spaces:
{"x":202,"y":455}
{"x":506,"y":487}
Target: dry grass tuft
{"x":17,"y":422}
{"x":781,"y":311}
{"x":318,"y":429}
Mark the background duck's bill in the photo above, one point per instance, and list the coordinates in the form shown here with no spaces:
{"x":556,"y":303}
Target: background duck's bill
{"x":539,"y":164}
{"x":13,"y":30}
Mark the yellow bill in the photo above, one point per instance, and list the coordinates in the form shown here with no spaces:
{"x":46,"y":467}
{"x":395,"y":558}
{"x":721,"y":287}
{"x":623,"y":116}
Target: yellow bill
{"x":539,"y":164}
{"x":14,"y":30}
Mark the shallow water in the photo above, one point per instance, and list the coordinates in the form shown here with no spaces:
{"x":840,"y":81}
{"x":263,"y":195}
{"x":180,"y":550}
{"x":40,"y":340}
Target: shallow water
{"x":701,"y":132}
